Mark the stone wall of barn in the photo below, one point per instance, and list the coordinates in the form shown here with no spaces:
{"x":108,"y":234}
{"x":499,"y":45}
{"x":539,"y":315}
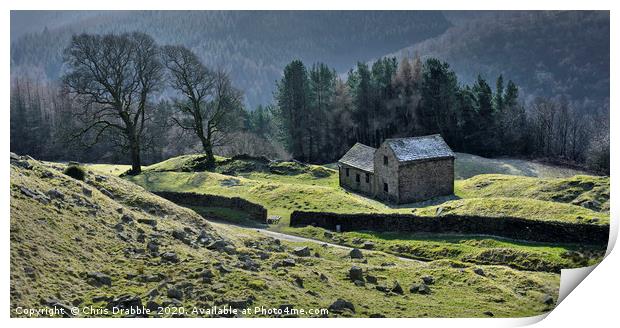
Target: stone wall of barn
{"x":425,"y":179}
{"x":386,"y":174}
{"x":351,"y":182}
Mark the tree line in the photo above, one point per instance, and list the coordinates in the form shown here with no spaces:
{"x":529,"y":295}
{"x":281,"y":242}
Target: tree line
{"x":319,"y":114}
{"x":124,"y":98}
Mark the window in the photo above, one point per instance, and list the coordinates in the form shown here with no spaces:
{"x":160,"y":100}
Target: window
{"x":357,"y":177}
{"x":385,"y":187}
{"x":385,"y":162}
{"x":347,"y":171}
{"x":367,"y":178}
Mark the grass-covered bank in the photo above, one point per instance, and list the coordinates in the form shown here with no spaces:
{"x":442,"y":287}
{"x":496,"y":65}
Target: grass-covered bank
{"x":471,"y":249}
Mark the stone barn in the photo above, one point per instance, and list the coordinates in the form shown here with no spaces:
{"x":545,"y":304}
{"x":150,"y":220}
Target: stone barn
{"x":401,"y":170}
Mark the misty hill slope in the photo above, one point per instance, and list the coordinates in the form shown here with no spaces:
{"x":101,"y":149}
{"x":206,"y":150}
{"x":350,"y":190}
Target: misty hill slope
{"x":546,"y":53}
{"x":108,"y":243}
{"x":253,"y":45}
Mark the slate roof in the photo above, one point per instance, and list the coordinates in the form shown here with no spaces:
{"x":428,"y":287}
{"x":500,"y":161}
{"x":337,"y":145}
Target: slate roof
{"x":419,"y":148}
{"x":360,"y":156}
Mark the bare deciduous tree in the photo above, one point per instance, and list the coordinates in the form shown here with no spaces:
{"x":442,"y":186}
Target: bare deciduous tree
{"x":208,"y":100}
{"x":112,"y":76}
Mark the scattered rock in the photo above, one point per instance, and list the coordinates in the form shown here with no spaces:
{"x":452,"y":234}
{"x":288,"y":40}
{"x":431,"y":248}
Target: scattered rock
{"x":323,"y":277}
{"x":359,"y":283}
{"x":174,"y":292}
{"x":151,"y":222}
{"x":479,"y":272}
{"x":397,"y":289}
{"x":98,"y":279}
{"x":420,"y":289}
{"x":241,"y":303}
{"x":356,"y":254}
{"x":371,"y":279}
{"x":357,"y":240}
{"x":548,"y":299}
{"x":382,"y":288}
{"x":429,"y":280}
{"x":302,"y":251}
{"x":87,"y":192}
{"x":356,"y":273}
{"x":170,"y":257}
{"x":203,"y":237}
{"x":488,"y":313}
{"x":152,"y":246}
{"x":221,"y":268}
{"x":298,"y":281}
{"x":284,"y":263}
{"x":126,"y":218}
{"x":180,"y":235}
{"x":341,"y":305}
{"x":23,"y":164}
{"x":152,"y":305}
{"x":56,"y":194}
{"x":368,"y":245}
{"x":106,"y":192}
{"x":34,"y":195}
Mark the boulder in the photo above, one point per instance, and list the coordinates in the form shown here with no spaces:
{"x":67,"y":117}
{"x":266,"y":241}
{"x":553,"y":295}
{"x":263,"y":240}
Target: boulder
{"x":548,"y":299}
{"x":126,"y":218}
{"x":397,"y":289}
{"x":341,"y":305}
{"x":170,"y":257}
{"x":55,"y":194}
{"x":174,"y":292}
{"x":356,"y":273}
{"x":371,"y":279}
{"x":87,"y":192}
{"x":152,"y":246}
{"x":151,"y":222}
{"x":298,"y":281}
{"x":284,"y":263}
{"x":479,"y":272}
{"x":98,"y":279}
{"x":368,"y":245}
{"x":420,"y":289}
{"x":356,"y":254}
{"x":301,"y":251}
{"x":429,"y":280}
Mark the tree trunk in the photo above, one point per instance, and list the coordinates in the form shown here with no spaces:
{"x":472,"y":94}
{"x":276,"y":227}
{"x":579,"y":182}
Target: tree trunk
{"x":208,"y":149}
{"x":136,"y":167}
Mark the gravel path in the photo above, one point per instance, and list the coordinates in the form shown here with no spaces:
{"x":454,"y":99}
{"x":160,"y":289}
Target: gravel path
{"x":298,"y":239}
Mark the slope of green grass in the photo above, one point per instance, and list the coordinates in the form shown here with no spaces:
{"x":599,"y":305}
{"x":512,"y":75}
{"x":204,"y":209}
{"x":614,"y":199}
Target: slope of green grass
{"x":587,"y":191}
{"x":63,"y":229}
{"x":526,"y":208}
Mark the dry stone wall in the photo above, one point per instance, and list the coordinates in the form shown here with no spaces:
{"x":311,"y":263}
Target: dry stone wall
{"x":514,"y":228}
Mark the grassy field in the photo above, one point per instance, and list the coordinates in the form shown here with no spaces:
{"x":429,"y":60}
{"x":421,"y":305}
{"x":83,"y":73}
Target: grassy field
{"x":575,"y":199}
{"x":63,"y":231}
